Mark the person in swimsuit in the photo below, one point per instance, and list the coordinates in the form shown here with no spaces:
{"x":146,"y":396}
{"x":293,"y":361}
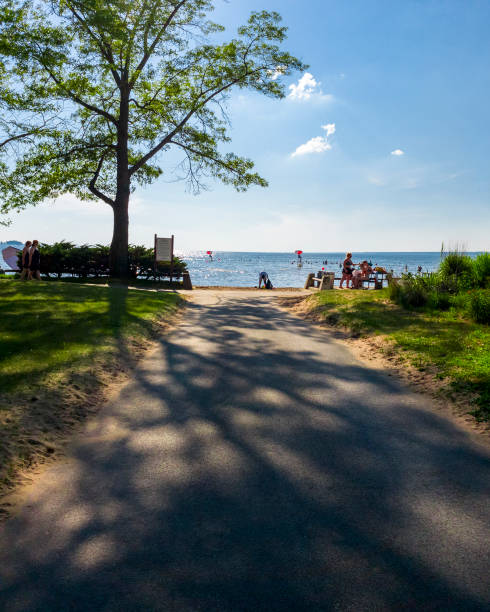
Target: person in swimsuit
{"x":35,"y":261}
{"x":25,"y":261}
{"x":263,"y":277}
{"x":347,"y":269}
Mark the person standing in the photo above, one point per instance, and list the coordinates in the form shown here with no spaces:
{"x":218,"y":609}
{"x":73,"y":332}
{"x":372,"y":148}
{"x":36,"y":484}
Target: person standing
{"x":25,"y":260}
{"x":35,"y":261}
{"x":347,"y":269}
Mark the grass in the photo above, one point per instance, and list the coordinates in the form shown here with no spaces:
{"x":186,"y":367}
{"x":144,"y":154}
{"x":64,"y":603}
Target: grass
{"x":457,"y":347}
{"x":103,"y":280}
{"x":48,"y":327}
{"x":61,"y":344}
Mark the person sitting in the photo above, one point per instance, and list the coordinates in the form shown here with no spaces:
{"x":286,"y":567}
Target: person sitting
{"x":358,"y":276}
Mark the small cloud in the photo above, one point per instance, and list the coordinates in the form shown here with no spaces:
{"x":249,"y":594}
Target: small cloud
{"x":398,"y":152}
{"x":318,"y":144}
{"x":308,"y":88}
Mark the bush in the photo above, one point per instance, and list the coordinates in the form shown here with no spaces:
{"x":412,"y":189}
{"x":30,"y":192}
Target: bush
{"x":457,"y":272}
{"x":65,"y":259}
{"x":438,"y":300}
{"x":456,"y":264}
{"x":479,"y":305}
{"x":394,"y":291}
{"x":411,"y":292}
{"x":481,"y":270}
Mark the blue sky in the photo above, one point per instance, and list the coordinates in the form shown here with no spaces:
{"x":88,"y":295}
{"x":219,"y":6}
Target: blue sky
{"x":404,"y":76}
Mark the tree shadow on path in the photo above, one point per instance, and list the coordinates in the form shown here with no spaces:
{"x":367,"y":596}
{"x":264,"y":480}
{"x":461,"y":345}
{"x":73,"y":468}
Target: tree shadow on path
{"x":252,"y":464}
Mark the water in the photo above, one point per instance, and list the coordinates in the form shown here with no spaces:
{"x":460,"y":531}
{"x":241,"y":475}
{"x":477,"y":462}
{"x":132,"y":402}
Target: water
{"x":237,"y":269}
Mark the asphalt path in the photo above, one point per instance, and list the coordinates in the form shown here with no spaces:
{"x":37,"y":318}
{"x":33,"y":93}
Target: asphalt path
{"x":252,"y":463}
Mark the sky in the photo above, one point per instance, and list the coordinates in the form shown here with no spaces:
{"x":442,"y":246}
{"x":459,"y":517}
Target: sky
{"x":382,"y":144}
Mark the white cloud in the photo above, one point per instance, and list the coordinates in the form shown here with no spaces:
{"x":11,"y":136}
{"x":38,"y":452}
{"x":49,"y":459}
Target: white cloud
{"x":305,"y":87}
{"x":308,"y":88}
{"x":318,"y":144}
{"x":329,"y":128}
{"x":398,"y":152}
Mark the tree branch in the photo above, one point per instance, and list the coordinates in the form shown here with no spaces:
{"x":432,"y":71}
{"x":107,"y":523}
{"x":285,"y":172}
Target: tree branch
{"x":77,"y":99}
{"x":157,"y":39}
{"x":104,"y":46}
{"x":92,"y":186}
{"x":142,"y":161}
{"x":16,"y":137}
{"x":201,"y":154}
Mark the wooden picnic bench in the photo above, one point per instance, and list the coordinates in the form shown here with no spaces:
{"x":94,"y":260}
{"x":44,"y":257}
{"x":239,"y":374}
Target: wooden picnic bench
{"x":325,"y":280}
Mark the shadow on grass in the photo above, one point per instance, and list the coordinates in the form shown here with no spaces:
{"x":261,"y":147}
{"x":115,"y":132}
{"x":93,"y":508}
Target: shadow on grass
{"x":53,"y":327}
{"x":61,"y":344}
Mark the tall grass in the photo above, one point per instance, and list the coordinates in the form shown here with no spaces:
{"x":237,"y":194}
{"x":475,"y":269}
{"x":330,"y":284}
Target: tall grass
{"x":460,"y":282}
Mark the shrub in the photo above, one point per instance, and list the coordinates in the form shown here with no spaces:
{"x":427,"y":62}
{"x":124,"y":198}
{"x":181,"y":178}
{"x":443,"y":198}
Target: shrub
{"x":479,"y":305}
{"x":438,"y":300}
{"x":481,"y":270}
{"x":411,"y":292}
{"x":457,"y":272}
{"x":394,"y":291}
{"x":64,"y":258}
{"x":413,"y":295}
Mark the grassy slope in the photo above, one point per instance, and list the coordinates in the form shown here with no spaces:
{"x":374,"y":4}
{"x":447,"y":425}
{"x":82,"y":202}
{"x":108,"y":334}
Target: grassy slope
{"x":458,"y":347}
{"x":60,"y":344}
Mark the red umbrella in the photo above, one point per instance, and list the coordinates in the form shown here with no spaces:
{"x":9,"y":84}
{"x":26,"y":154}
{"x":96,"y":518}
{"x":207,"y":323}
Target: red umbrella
{"x":209,"y":252}
{"x":298,"y":252}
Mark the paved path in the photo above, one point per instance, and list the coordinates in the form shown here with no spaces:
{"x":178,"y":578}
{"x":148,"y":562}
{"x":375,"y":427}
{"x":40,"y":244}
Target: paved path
{"x":254,"y":464}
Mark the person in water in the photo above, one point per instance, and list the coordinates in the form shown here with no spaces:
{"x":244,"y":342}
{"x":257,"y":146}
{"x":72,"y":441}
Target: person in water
{"x":25,"y":260}
{"x":347,"y":269}
{"x":34,"y":261}
{"x":263,"y":278}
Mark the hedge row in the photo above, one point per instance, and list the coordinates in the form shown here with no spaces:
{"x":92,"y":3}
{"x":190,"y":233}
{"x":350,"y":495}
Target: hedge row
{"x":65,"y":259}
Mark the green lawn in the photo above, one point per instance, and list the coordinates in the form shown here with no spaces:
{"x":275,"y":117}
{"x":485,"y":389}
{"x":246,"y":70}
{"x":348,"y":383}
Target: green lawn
{"x":49,"y":327}
{"x":458,"y":347}
{"x":60,"y":345}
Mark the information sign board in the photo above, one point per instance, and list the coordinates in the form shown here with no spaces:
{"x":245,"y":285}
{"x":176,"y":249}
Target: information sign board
{"x":164,"y":249}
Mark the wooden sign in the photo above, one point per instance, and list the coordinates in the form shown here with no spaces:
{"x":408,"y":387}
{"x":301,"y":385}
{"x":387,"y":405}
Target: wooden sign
{"x":164,"y":249}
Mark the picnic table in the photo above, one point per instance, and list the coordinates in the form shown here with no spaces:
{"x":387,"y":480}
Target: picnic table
{"x":325,"y":280}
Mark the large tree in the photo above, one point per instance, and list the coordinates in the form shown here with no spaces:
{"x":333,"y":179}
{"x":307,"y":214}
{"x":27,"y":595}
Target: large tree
{"x":124,"y":81}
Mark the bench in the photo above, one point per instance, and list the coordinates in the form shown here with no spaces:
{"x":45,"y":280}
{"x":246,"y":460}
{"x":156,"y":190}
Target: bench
{"x":323,"y":282}
{"x":327,"y":279}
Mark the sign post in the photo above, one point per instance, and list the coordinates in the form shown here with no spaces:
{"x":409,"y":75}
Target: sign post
{"x":164,"y":251}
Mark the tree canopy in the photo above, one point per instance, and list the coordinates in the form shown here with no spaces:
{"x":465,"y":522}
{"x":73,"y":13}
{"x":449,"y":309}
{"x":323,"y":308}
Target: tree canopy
{"x":98,"y":90}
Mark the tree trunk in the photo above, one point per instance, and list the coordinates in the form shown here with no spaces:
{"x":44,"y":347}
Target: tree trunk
{"x":119,"y":257}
